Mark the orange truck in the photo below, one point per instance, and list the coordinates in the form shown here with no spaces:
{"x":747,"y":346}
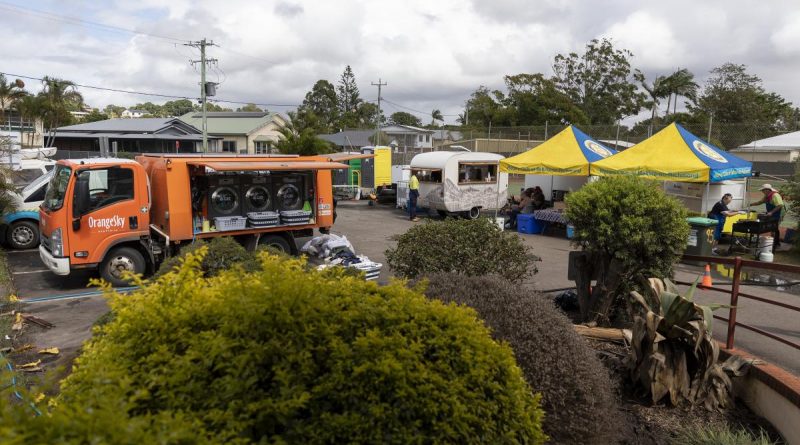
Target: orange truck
{"x":120,"y":215}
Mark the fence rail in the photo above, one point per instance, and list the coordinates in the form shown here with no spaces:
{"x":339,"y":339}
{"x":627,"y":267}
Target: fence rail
{"x":738,"y":264}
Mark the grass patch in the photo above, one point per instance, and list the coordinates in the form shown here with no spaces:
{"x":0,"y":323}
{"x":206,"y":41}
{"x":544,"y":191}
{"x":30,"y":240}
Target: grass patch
{"x":721,"y":435}
{"x":6,"y":305}
{"x":787,"y":257}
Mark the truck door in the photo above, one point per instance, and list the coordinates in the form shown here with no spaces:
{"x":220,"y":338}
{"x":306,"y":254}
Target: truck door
{"x":114,"y":209}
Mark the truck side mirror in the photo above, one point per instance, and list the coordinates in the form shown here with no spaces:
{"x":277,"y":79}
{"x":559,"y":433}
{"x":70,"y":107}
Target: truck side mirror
{"x":80,"y":203}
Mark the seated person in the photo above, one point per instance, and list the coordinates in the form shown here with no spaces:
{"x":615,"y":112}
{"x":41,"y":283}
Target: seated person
{"x":720,"y":212}
{"x":525,"y":201}
{"x":539,"y":202}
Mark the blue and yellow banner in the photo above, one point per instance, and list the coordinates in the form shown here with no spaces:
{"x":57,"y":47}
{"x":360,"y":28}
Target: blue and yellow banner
{"x":568,"y":153}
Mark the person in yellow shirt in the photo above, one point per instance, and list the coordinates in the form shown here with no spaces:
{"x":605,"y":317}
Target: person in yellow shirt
{"x":775,"y":210}
{"x":413,"y":194}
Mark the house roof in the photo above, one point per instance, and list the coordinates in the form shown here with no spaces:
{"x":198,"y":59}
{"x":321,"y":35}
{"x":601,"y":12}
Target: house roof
{"x":138,"y":126}
{"x":407,"y":129}
{"x":231,"y":122}
{"x":783,"y":142}
{"x":137,"y":111}
{"x":349,"y":138}
{"x":168,"y":137}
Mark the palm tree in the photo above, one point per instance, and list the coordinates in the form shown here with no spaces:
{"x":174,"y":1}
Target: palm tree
{"x":681,"y":83}
{"x":657,"y":90}
{"x":436,"y":115}
{"x":30,"y":108}
{"x":10,"y":92}
{"x":59,"y":97}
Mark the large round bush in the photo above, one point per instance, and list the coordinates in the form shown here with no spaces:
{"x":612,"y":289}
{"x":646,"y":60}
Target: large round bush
{"x":476,"y":247}
{"x":283,"y":355}
{"x":577,"y":393}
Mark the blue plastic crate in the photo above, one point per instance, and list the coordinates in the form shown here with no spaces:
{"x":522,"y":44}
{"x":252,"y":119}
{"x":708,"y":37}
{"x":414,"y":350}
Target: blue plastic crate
{"x":526,"y":223}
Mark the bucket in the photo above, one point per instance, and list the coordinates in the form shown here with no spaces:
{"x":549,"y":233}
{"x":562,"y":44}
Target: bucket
{"x":501,"y":222}
{"x":765,"y":257}
{"x":764,"y":244}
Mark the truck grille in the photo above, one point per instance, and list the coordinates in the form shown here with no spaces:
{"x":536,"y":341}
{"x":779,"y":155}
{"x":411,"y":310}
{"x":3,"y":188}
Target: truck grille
{"x":45,"y":241}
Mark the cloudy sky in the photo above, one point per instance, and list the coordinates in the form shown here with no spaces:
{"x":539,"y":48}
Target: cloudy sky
{"x":432,"y":54}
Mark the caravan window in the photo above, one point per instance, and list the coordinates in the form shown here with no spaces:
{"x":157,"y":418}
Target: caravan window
{"x":476,"y":172}
{"x":428,"y":175}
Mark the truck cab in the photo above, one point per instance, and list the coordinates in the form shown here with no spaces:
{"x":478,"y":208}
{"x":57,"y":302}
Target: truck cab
{"x":95,"y":213}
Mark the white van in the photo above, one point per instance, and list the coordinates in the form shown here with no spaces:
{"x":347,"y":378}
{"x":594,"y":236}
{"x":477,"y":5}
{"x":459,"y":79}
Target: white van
{"x":460,"y":182}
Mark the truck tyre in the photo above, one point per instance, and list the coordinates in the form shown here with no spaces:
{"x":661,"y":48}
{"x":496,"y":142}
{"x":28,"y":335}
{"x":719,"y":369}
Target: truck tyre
{"x":23,"y":235}
{"x":275,"y":242}
{"x":472,"y":213}
{"x":443,"y":213}
{"x":120,"y":260}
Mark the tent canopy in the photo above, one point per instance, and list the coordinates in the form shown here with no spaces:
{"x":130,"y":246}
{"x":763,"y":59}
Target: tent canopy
{"x":568,"y":153}
{"x":674,"y":154}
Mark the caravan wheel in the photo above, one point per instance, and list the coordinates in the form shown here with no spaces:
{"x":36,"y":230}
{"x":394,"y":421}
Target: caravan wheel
{"x":473,"y":213}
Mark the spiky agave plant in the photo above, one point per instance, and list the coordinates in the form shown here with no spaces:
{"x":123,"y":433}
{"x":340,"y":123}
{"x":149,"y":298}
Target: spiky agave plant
{"x":673,"y":351}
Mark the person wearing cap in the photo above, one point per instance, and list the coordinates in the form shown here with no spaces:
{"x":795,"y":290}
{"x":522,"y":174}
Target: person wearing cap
{"x":775,"y":209}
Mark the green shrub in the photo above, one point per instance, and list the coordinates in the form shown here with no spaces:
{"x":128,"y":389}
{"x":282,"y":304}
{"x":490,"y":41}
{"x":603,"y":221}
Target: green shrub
{"x":629,"y":228}
{"x":283,"y":355}
{"x":223,"y":253}
{"x":476,"y":247}
{"x":577,"y":393}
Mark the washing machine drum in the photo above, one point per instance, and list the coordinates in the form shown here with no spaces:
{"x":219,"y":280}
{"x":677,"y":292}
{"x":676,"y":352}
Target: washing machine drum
{"x":289,"y":197}
{"x":225,"y":201}
{"x":258,"y":198}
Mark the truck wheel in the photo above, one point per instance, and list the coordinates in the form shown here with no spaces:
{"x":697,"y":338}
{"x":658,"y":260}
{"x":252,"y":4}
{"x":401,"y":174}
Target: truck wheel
{"x":120,"y":260}
{"x":472,"y":213}
{"x":443,"y":213}
{"x":23,"y":235}
{"x":275,"y":242}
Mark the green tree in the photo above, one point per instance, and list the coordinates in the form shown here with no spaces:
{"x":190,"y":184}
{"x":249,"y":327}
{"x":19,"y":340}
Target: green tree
{"x":367,"y":115}
{"x":348,"y":99}
{"x":599,"y":81}
{"x":250,"y":108}
{"x":59,"y":97}
{"x":113,"y":111}
{"x":210,"y":106}
{"x":657,"y":90}
{"x":303,"y":142}
{"x":322,"y":103}
{"x":403,"y":118}
{"x":680,"y":83}
{"x":175,"y":108}
{"x":436,"y":115}
{"x":732,"y":95}
{"x":94,"y":116}
{"x":30,"y":108}
{"x":153,"y":110}
{"x":627,"y":227}
{"x":483,"y":107}
{"x":10,"y":93}
{"x":534,"y":100}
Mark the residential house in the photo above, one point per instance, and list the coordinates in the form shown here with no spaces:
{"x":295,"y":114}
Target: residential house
{"x":349,"y":140}
{"x":444,"y":136}
{"x":143,"y":135}
{"x":241,"y":132}
{"x":133,"y":114}
{"x":403,"y":137}
{"x":782,"y":148}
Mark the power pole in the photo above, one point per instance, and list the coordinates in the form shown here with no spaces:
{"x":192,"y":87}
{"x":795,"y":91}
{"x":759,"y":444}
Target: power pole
{"x":202,"y":44}
{"x":379,"y":85}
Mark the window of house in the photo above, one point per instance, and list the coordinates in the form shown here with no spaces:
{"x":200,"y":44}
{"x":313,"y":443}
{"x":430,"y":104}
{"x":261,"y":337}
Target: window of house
{"x":427,"y":138}
{"x":229,"y":146}
{"x":419,"y":138}
{"x":261,"y":147}
{"x":428,"y":175}
{"x":473,"y":172}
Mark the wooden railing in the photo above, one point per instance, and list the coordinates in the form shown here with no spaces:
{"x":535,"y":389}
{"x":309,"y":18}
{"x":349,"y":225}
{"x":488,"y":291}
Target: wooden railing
{"x":735,"y":293}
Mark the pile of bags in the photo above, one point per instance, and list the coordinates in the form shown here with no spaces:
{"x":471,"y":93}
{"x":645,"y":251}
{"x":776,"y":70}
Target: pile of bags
{"x":336,"y":251}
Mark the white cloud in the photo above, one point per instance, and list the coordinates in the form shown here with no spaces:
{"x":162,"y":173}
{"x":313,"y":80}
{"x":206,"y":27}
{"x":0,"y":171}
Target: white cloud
{"x":650,"y":38}
{"x":786,"y":38}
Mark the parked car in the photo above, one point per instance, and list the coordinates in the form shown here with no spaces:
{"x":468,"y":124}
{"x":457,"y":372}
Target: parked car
{"x":20,"y":229}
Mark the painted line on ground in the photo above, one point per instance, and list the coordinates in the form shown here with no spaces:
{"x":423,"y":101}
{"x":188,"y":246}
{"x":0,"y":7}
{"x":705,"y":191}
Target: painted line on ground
{"x":23,"y":272}
{"x":88,"y":294}
{"x":22,"y":251}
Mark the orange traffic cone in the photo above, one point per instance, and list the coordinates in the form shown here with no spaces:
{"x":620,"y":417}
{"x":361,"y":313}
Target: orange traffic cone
{"x":707,"y":277}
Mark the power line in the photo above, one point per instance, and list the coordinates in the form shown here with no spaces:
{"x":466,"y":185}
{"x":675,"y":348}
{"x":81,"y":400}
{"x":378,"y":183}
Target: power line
{"x":424,"y":113}
{"x":78,"y":21}
{"x":142,"y":93}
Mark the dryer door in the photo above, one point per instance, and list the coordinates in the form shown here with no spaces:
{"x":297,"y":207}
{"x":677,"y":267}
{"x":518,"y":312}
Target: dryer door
{"x":258,"y":198}
{"x":289,"y":197}
{"x":224,"y":201}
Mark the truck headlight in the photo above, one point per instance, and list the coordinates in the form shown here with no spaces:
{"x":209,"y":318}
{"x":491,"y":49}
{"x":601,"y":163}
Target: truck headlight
{"x":56,"y":243}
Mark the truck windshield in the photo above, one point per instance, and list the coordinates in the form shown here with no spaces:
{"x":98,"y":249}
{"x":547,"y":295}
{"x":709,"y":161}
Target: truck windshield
{"x":54,"y":198}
